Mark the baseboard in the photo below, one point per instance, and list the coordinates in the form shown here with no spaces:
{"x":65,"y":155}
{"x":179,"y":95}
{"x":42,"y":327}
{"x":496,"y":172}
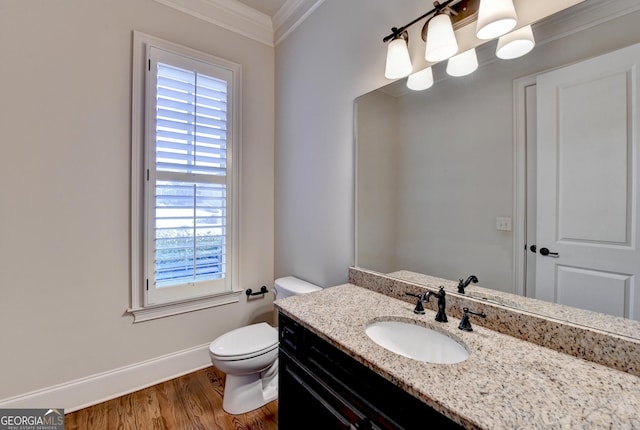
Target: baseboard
{"x":88,"y":391}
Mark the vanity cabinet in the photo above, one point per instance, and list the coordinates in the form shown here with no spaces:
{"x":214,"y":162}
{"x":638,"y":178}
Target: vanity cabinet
{"x":321,"y":387}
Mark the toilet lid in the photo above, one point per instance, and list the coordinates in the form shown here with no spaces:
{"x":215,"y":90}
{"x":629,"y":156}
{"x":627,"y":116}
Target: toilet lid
{"x":249,"y":340}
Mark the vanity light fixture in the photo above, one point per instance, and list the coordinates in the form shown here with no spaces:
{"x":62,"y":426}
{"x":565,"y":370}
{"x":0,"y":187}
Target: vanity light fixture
{"x":398,"y":59}
{"x":495,"y":18}
{"x":440,"y":38}
{"x":463,"y":64}
{"x":515,"y":44}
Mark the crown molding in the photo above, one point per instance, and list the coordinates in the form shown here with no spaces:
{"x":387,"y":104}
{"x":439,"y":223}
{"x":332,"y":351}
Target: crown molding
{"x":291,"y":15}
{"x":229,"y":14}
{"x":242,"y":19}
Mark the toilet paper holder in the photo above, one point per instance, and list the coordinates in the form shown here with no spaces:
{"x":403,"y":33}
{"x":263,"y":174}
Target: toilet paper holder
{"x":263,"y":290}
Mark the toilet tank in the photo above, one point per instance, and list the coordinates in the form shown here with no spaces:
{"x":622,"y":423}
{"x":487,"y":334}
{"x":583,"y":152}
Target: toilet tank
{"x":292,"y":286}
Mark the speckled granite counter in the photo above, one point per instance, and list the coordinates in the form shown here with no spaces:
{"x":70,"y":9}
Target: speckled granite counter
{"x":600,"y":345}
{"x":607,"y":323}
{"x":506,"y":383}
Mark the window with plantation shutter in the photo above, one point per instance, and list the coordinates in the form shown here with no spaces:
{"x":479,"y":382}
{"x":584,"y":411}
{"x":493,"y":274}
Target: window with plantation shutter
{"x":188,"y":211}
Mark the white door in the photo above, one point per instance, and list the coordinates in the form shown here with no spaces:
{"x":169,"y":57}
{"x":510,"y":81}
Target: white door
{"x":531,"y":199}
{"x":587,"y":183}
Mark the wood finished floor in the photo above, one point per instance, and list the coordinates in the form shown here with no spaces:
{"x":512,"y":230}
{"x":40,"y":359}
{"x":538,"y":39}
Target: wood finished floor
{"x":193,"y":401}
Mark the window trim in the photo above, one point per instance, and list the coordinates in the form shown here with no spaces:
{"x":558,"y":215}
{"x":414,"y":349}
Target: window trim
{"x":141,"y":311}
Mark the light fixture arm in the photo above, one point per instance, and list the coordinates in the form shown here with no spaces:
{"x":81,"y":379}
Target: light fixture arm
{"x":437,"y":7}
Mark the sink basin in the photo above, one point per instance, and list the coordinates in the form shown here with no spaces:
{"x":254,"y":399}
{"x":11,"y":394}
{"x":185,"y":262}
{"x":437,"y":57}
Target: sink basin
{"x":416,"y":342}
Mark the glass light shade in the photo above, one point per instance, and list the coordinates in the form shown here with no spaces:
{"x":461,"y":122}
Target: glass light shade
{"x":516,"y":44}
{"x":463,"y":64}
{"x":398,"y":59}
{"x":441,"y":40}
{"x":495,"y":18}
{"x":421,"y":80}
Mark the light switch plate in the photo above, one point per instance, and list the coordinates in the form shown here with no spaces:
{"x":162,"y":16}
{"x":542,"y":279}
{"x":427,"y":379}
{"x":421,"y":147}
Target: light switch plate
{"x":503,"y":223}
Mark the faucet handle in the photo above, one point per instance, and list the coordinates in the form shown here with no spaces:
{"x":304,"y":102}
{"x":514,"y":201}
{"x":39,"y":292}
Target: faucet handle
{"x":419,"y":309}
{"x":465,"y":324}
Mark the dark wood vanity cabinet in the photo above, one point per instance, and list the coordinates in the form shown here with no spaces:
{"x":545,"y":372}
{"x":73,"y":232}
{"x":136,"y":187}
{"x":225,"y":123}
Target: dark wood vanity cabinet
{"x":321,"y":387}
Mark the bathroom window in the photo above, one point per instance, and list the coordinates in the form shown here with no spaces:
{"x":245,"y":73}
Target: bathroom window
{"x":183,"y":198}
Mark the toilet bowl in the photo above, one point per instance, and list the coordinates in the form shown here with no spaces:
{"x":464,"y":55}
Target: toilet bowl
{"x":249,"y":357}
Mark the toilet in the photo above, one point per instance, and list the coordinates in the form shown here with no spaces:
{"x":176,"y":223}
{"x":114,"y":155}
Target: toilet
{"x":249,"y":356}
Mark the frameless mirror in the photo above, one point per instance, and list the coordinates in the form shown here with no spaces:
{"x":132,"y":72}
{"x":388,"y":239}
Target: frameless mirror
{"x":447,"y":178}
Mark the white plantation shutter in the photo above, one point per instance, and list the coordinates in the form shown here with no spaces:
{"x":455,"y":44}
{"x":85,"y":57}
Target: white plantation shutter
{"x":191,"y":122}
{"x":188,"y":148}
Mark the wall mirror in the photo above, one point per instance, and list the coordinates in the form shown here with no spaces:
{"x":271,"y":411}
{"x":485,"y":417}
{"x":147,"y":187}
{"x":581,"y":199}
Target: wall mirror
{"x":447,"y":179}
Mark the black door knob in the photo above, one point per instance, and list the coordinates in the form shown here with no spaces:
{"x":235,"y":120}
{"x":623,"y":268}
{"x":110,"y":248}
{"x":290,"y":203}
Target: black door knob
{"x":547,"y":253}
{"x":533,"y":248}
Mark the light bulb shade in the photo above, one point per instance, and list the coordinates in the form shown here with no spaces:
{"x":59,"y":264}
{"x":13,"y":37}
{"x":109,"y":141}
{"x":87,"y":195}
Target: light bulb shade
{"x":421,"y":80}
{"x":463,"y":64}
{"x":398,"y":59}
{"x":516,"y":44}
{"x":495,"y":18}
{"x":441,"y":40}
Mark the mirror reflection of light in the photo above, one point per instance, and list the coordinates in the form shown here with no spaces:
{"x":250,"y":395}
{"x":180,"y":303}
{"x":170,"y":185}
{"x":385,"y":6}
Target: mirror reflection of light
{"x":516,"y":44}
{"x":421,"y":80}
{"x":463,"y":64}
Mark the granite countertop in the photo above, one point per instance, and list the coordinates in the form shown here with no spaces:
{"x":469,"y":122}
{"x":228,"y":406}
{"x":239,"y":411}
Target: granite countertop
{"x":609,"y":323}
{"x":506,"y":383}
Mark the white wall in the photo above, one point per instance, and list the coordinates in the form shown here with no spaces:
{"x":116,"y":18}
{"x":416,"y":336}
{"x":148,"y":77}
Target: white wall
{"x":65,"y":121}
{"x":337,"y":55}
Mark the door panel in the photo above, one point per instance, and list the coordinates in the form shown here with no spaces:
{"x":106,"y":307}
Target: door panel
{"x":593,"y":147}
{"x":584,"y":288}
{"x":587,"y":183}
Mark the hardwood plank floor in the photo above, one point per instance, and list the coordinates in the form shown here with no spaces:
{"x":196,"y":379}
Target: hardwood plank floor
{"x":193,"y":401}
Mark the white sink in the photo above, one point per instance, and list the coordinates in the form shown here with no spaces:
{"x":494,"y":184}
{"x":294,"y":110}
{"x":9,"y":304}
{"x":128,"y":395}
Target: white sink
{"x":416,"y":342}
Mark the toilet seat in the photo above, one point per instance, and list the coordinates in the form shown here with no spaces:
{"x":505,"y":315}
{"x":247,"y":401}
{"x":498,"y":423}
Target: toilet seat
{"x":245,"y":342}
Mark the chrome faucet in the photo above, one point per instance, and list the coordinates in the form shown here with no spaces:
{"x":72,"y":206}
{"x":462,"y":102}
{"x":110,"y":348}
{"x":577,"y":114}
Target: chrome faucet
{"x":463,"y":284}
